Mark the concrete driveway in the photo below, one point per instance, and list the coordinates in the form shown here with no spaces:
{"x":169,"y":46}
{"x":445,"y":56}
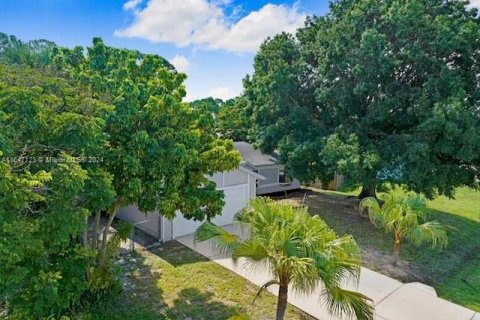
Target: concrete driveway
{"x":393,"y":300}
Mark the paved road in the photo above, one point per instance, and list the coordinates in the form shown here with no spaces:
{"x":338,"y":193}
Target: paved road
{"x":393,"y":300}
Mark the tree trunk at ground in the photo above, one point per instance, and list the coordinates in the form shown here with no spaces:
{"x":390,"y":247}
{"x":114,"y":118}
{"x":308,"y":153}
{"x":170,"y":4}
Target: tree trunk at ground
{"x":396,"y":252}
{"x":367,"y":191}
{"x":96,"y":223}
{"x":103,"y":250}
{"x":282,"y":302}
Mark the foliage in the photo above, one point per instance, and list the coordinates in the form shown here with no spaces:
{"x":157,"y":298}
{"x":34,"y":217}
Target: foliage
{"x":393,"y":84}
{"x":404,"y":216}
{"x":232,"y":120}
{"x":164,"y":275}
{"x":282,"y":107}
{"x":85,"y":134}
{"x":209,"y":104}
{"x":42,"y":260}
{"x":159,"y":149}
{"x":453,"y":272}
{"x":35,"y":53}
{"x":301,"y":251}
{"x":240,"y":316}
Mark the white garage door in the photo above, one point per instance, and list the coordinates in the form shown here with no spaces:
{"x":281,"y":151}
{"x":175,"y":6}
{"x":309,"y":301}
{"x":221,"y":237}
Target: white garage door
{"x":236,"y":198}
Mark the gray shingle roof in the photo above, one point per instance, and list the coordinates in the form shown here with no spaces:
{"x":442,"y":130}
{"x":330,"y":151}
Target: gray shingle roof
{"x":252,"y":155}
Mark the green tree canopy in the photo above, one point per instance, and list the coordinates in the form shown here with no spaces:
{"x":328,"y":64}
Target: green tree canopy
{"x":380,"y":91}
{"x":90,"y":131}
{"x":209,"y":104}
{"x":45,"y":122}
{"x":34,"y":53}
{"x":233,"y":121}
{"x":159,"y":149}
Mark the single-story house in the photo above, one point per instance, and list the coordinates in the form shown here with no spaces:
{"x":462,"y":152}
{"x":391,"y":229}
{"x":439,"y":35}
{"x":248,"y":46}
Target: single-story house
{"x":239,"y":186}
{"x":268,"y":166}
{"x":257,"y":174}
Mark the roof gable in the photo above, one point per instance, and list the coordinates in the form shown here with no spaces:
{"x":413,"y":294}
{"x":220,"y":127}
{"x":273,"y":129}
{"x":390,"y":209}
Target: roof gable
{"x":254,"y":156}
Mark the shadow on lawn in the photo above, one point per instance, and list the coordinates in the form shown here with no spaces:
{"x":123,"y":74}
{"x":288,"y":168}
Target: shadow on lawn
{"x":142,"y":297}
{"x":193,"y":304}
{"x":177,"y":254}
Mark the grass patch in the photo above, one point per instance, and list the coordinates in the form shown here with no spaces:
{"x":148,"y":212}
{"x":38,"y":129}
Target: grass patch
{"x":174,"y":282}
{"x":466,"y":204}
{"x":454,"y":272}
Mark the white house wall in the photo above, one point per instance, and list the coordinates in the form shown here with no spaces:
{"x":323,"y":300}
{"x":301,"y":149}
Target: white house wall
{"x":134,"y":216}
{"x":167,"y":229}
{"x":252,"y":186}
{"x":238,"y":187}
{"x":233,"y":178}
{"x":235,"y":198}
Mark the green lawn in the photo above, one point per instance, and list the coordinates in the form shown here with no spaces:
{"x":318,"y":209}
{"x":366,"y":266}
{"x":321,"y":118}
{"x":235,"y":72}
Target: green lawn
{"x":174,"y":282}
{"x":454,"y":272}
{"x":461,"y":281}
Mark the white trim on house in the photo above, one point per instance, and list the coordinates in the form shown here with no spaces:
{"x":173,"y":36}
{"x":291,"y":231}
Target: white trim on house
{"x":252,"y":173}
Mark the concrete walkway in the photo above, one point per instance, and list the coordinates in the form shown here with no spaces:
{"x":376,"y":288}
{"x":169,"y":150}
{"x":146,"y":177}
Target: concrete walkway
{"x":393,"y":299}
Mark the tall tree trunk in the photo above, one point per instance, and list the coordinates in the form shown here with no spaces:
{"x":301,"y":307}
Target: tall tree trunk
{"x":96,"y":223}
{"x":103,"y":250}
{"x":85,"y":233}
{"x":282,"y":301}
{"x":368,"y":190}
{"x":396,"y":251}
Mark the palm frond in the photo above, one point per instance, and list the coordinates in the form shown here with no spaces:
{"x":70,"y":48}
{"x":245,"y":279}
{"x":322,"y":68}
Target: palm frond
{"x":333,"y":272}
{"x":403,"y":215}
{"x":303,"y":273}
{"x":374,"y":211}
{"x":263,"y":288}
{"x":349,"y":303}
{"x":223,"y":241}
{"x":252,"y":249}
{"x":432,"y":232}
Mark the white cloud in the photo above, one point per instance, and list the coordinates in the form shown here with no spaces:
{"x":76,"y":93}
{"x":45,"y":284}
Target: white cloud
{"x":203,"y":23}
{"x":180,"y":63}
{"x":222,"y":2}
{"x":223,"y":93}
{"x":131,"y":4}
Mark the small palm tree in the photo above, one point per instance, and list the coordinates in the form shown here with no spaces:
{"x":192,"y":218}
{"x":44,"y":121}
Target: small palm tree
{"x":301,"y":251}
{"x":405,"y":216}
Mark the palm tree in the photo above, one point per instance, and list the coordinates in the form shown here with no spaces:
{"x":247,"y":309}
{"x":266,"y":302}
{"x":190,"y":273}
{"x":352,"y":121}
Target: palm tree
{"x":301,"y":251}
{"x":405,"y":216}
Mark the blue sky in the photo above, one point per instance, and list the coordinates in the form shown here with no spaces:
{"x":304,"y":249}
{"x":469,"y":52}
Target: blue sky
{"x":212,"y":41}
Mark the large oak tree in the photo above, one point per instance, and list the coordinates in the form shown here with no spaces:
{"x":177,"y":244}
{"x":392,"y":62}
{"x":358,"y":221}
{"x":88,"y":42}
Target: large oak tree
{"x":380,"y":91}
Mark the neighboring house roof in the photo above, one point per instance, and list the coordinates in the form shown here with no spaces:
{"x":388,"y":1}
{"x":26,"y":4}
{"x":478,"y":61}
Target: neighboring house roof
{"x":254,"y":156}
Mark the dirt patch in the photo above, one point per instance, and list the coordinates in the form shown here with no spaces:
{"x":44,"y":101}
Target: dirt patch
{"x":342,"y":214}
